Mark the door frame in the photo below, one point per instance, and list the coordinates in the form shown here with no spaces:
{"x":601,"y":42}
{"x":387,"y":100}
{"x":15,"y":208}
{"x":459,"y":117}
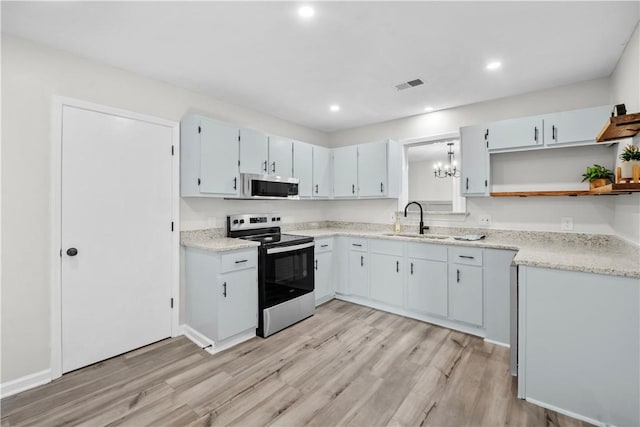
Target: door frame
{"x":55,"y":202}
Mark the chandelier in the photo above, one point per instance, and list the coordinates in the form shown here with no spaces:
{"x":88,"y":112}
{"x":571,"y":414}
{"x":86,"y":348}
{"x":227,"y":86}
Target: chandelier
{"x":450,"y":169}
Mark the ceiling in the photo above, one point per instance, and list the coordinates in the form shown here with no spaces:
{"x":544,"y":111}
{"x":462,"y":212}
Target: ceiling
{"x":263,"y":56}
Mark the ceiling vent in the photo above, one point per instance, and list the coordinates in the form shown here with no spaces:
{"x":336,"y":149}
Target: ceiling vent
{"x":409,"y":84}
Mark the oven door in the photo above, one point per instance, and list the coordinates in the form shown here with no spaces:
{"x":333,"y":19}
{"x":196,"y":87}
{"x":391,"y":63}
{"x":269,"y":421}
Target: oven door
{"x":288,"y":273}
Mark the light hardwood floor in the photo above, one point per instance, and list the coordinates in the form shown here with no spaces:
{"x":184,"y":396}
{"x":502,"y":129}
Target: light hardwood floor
{"x":347,"y":365}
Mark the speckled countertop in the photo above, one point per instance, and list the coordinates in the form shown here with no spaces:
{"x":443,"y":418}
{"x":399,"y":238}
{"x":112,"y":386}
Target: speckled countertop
{"x":593,"y":253}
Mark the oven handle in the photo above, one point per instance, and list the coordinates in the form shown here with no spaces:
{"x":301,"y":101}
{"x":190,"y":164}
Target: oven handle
{"x":280,"y":249}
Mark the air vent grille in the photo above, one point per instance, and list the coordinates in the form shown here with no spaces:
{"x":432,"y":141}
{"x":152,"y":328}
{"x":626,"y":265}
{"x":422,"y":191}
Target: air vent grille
{"x":409,"y":84}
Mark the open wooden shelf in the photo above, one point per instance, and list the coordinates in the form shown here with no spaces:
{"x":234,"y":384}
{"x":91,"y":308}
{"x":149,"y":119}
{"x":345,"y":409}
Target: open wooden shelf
{"x":620,"y":127}
{"x":616,"y":189}
{"x":541,"y":193}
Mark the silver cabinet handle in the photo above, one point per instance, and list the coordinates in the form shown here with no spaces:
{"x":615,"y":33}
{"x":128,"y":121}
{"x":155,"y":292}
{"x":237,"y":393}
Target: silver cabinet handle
{"x":224,"y":289}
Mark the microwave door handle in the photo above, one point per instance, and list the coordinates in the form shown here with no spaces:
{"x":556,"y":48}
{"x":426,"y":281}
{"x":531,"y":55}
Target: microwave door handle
{"x":280,"y":249}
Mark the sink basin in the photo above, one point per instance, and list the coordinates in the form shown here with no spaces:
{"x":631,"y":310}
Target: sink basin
{"x":418,"y":236}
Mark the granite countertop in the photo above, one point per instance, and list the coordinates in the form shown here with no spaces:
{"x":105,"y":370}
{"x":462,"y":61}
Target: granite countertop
{"x":592,"y":253}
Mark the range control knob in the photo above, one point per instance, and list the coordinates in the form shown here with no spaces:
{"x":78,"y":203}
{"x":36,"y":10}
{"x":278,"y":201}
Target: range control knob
{"x":278,"y":218}
{"x":235,"y":221}
{"x":273,"y":219}
{"x":242,"y":221}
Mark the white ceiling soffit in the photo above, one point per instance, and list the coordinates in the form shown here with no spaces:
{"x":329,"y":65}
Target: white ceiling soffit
{"x":263,"y":56}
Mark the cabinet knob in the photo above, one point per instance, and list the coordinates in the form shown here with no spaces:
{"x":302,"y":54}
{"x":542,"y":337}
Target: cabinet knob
{"x":72,"y":252}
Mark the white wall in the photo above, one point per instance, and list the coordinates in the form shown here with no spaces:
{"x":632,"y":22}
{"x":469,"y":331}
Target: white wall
{"x":625,"y":89}
{"x":423,"y":185}
{"x":31,"y":75}
{"x":591,"y":214}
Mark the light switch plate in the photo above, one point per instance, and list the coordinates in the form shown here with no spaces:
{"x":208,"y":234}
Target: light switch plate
{"x":566,"y":223}
{"x":485,"y":220}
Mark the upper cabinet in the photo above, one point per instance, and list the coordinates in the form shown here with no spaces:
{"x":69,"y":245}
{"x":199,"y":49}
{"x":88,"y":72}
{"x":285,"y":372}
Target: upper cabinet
{"x":371,"y":170}
{"x":280,"y":156}
{"x":475,"y":161}
{"x":345,"y":171}
{"x":303,"y":168}
{"x":575,"y":127}
{"x":321,"y":171}
{"x":515,"y":133}
{"x":209,"y":157}
{"x":254,"y":152}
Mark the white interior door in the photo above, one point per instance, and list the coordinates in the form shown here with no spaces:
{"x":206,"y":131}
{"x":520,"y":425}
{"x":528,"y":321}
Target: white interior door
{"x":116,"y":209}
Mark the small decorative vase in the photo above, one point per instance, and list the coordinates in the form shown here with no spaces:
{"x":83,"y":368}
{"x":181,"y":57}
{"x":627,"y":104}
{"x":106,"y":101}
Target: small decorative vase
{"x":626,"y":168}
{"x":597,"y":183}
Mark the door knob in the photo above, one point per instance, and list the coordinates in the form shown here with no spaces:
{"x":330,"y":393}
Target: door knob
{"x":72,"y":252}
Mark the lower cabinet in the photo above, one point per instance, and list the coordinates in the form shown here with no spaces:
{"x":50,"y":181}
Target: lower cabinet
{"x":427,"y":287}
{"x":324,"y":270}
{"x":386,"y":279}
{"x":465,"y":293}
{"x":221,"y":295}
{"x":358,"y":283}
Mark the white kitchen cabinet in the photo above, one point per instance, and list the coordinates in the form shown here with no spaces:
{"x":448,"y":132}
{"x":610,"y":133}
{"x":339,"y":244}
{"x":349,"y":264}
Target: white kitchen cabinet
{"x":474,"y":162}
{"x":358,"y":283}
{"x":221,"y":291}
{"x":575,"y":127}
{"x":525,"y":132}
{"x":321,"y":171}
{"x":427,"y":287}
{"x":345,"y":172}
{"x":386,"y":271}
{"x":324,"y":270}
{"x":372,"y":169}
{"x":254,"y":152}
{"x":466,"y":284}
{"x":280,"y":156}
{"x":579,"y":347}
{"x":208,"y":158}
{"x":500,"y":278}
{"x":303,"y":167}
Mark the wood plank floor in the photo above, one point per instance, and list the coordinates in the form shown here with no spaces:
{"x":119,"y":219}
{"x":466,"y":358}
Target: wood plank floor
{"x":347,"y":365}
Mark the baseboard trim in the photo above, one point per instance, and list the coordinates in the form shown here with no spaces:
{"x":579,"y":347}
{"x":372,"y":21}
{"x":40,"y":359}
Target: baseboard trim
{"x":567,"y":413}
{"x":27,"y":382}
{"x":211,"y":346}
{"x":501,"y":344}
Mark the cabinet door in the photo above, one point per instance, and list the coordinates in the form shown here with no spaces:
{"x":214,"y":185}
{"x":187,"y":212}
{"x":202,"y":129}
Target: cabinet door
{"x":254,"y":151}
{"x":219,"y":158}
{"x":474,"y":161}
{"x":372,"y":169}
{"x":575,"y":126}
{"x":386,"y":279}
{"x":321,"y":172}
{"x":515,"y":133}
{"x":345,"y":171}
{"x":302,"y":167}
{"x":280,"y":156}
{"x":237,"y":302}
{"x":358,"y":274}
{"x":323,"y":279}
{"x":465,"y":293}
{"x":427,"y":287}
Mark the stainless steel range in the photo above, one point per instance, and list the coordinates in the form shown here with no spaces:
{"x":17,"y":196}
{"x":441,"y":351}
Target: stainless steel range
{"x":285,"y":271}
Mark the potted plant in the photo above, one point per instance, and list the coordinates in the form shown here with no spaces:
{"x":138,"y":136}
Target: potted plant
{"x":598,"y":176}
{"x":630,"y":157}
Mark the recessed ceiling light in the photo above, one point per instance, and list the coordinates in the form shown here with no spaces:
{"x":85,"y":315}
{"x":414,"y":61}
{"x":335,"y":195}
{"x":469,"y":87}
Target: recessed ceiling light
{"x":428,"y":109}
{"x":335,"y":107}
{"x":306,"y":11}
{"x":494,"y":65}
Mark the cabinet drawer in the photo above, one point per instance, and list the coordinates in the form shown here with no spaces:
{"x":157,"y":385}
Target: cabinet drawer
{"x":358,"y":244}
{"x":467,"y":256}
{"x":324,"y":245}
{"x":238,"y":260}
{"x":427,"y":251}
{"x":386,"y":247}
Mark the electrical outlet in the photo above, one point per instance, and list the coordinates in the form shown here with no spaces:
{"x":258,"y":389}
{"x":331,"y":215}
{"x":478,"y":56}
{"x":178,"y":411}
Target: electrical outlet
{"x":566,"y":223}
{"x":485,"y":220}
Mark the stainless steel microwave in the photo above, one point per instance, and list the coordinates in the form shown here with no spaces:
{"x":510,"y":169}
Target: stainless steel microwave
{"x":269,"y":187}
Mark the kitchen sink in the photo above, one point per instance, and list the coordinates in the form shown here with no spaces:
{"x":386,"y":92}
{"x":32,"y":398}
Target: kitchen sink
{"x":419,"y":236}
